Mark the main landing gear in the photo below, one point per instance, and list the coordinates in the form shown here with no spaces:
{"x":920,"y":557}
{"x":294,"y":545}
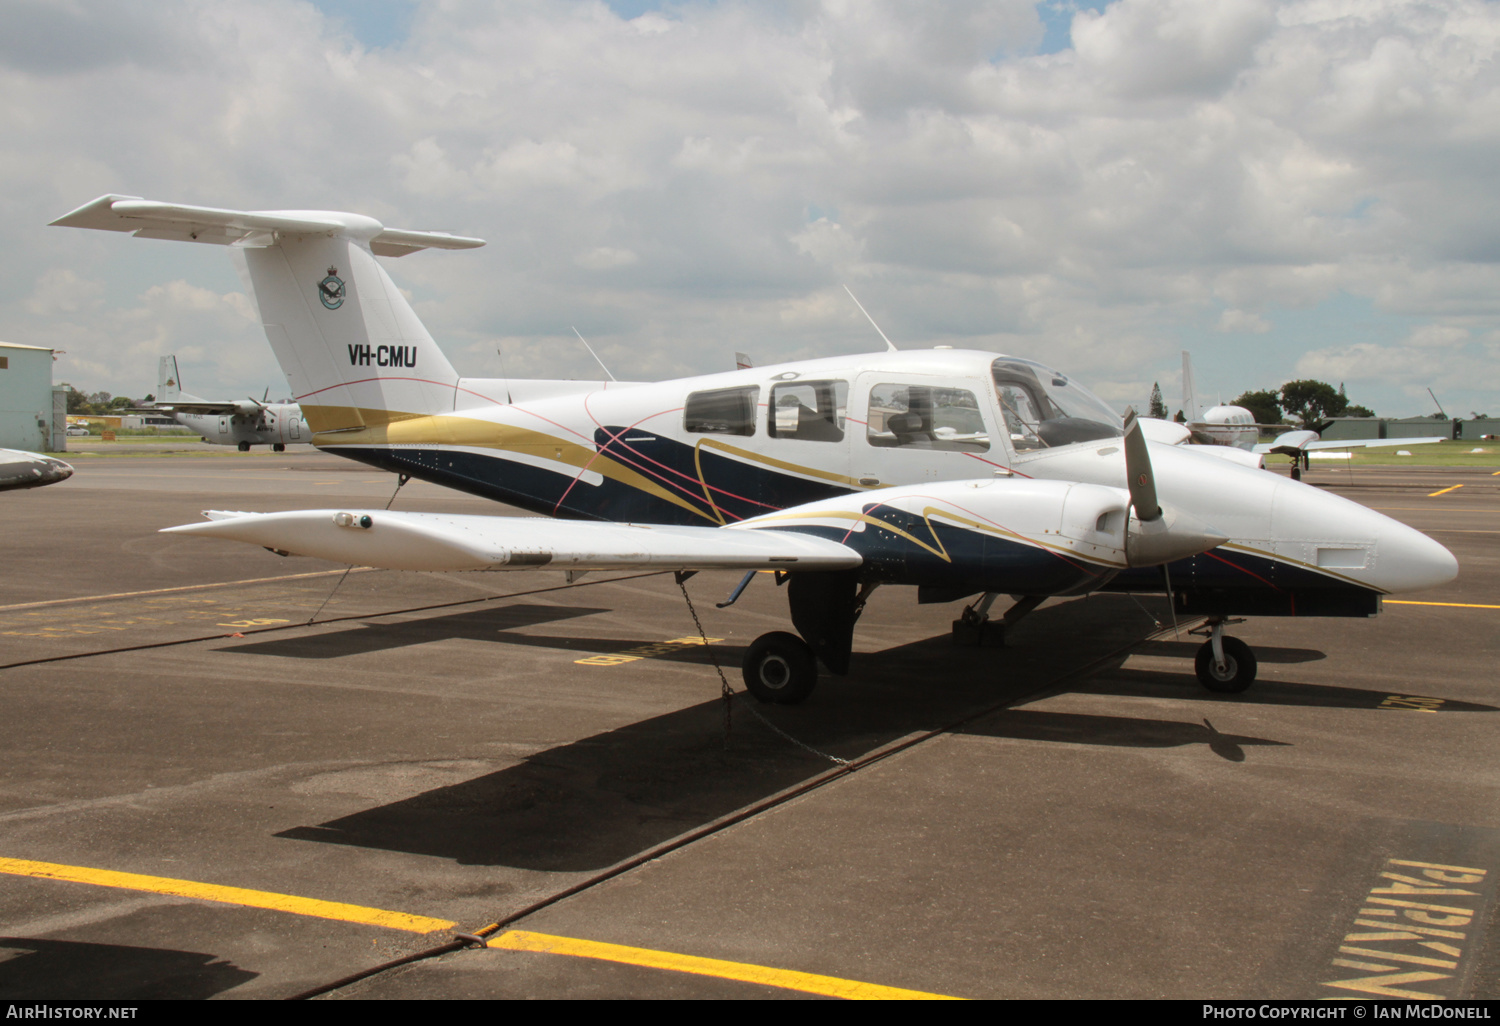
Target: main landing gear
{"x":244,"y":447}
{"x":782,"y":668}
{"x":1223,"y":664}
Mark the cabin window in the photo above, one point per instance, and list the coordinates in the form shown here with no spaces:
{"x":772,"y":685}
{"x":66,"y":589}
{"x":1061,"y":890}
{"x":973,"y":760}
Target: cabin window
{"x":724,"y":411}
{"x":1043,"y":408}
{"x":926,"y":417}
{"x":812,"y":411}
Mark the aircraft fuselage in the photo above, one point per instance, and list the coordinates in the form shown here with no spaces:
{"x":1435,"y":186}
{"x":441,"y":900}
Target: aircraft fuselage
{"x":724,"y":448}
{"x":275,"y":424}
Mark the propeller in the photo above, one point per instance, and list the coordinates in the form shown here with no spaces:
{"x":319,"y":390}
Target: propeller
{"x":1157,"y":534}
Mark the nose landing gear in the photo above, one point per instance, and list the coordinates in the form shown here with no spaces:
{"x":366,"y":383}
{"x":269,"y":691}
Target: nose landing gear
{"x":1224,"y":664}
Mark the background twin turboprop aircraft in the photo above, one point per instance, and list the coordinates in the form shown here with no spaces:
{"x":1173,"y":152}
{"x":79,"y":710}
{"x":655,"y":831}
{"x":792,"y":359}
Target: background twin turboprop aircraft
{"x":962,"y":473}
{"x":238,"y":422}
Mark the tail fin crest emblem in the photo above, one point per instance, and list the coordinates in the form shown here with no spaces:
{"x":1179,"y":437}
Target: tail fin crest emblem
{"x":331,"y":290}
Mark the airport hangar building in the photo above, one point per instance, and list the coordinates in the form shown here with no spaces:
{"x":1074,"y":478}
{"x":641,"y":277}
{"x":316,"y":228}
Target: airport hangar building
{"x":33,"y":414}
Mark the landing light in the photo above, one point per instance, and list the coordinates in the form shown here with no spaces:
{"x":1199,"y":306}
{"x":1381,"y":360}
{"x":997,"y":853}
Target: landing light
{"x":350,"y":520}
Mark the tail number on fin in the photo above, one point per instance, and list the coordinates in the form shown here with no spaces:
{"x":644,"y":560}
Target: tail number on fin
{"x":382,"y":356}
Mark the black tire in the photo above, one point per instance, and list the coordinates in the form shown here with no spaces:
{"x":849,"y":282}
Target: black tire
{"x":244,"y":447}
{"x":779,"y":668}
{"x":1239,"y":667}
{"x":278,"y":447}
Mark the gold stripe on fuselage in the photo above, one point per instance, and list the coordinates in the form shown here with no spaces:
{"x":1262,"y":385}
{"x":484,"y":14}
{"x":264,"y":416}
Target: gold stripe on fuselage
{"x":939,"y":550}
{"x":390,"y":427}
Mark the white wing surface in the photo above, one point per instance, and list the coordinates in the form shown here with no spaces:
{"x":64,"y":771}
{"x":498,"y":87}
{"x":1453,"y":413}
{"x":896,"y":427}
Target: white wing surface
{"x":438,"y":541}
{"x":1307,"y":441}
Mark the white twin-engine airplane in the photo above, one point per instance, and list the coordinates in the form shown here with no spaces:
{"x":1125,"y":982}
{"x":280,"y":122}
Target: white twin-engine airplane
{"x":237,"y":422}
{"x":962,"y":473}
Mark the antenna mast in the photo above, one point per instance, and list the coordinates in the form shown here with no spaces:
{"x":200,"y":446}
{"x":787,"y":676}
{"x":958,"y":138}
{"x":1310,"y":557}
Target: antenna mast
{"x":594,"y":354}
{"x":888,"y":343}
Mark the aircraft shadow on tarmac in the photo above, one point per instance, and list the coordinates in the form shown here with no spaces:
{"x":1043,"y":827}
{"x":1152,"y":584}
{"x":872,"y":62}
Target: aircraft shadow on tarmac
{"x":1115,"y":731}
{"x":477,"y":625}
{"x":1160,"y":684}
{"x":1263,"y":653}
{"x":56,"y":970}
{"x":589,"y":804}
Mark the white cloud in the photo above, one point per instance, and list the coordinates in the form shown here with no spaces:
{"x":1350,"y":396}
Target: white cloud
{"x":666,"y":182}
{"x":1241,"y":322}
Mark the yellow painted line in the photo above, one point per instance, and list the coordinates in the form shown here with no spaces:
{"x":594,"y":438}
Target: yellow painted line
{"x":1455,"y":605}
{"x":651,"y":651}
{"x":1445,"y":491}
{"x":828,"y":986}
{"x":228,"y":895}
{"x":186,"y":587}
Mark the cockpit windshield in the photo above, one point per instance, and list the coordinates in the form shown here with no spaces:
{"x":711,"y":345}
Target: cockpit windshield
{"x":1043,"y":408}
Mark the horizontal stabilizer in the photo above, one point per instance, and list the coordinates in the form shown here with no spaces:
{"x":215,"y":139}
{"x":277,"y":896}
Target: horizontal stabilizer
{"x":436,"y":541}
{"x":149,"y":219}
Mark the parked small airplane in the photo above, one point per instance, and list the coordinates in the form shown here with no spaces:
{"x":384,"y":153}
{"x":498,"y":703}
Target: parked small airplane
{"x":1236,"y":426}
{"x":962,"y":473}
{"x":21,"y":469}
{"x":239,"y":422}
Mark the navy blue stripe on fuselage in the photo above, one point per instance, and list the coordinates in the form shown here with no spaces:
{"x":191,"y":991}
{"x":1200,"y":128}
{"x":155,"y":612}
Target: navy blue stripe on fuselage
{"x":729,"y":490}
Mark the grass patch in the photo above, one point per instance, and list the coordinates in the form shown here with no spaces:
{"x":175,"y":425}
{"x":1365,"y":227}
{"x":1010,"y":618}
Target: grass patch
{"x":1435,"y":454}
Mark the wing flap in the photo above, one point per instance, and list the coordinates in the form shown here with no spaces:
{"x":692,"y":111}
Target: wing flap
{"x":433,"y":541}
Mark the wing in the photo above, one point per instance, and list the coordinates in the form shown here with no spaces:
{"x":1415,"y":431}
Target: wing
{"x":192,"y":407}
{"x":1293,"y":442}
{"x":437,"y":541}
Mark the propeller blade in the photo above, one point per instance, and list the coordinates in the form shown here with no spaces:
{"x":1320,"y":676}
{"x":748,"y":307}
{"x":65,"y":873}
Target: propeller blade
{"x":1157,"y":536}
{"x":1139,"y":476}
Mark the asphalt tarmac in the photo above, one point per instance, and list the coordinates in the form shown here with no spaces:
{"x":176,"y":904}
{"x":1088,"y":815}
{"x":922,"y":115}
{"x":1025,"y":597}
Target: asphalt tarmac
{"x":205,"y":796}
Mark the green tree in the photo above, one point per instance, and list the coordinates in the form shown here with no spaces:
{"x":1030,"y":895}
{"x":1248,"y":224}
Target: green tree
{"x":1358,"y":411}
{"x":1311,"y":401}
{"x":1265,"y":407}
{"x":1157,"y":409}
{"x":78,"y":403}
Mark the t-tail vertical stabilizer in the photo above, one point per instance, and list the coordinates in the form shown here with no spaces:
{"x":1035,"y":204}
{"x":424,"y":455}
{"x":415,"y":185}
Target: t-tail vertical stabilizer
{"x":354,"y":352}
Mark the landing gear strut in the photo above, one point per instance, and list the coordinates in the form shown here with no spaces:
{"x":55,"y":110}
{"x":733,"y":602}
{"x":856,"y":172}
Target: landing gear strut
{"x":1224,"y":664}
{"x":974,"y":626}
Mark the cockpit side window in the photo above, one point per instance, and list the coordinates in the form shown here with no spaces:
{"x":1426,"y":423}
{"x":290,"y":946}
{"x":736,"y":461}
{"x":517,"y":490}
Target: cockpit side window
{"x":812,"y":411}
{"x":723,"y":411}
{"x":925,"y":417}
{"x":1043,"y":408}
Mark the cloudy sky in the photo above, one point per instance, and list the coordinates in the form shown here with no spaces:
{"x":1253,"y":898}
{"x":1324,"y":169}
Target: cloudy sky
{"x":1303,"y":189}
